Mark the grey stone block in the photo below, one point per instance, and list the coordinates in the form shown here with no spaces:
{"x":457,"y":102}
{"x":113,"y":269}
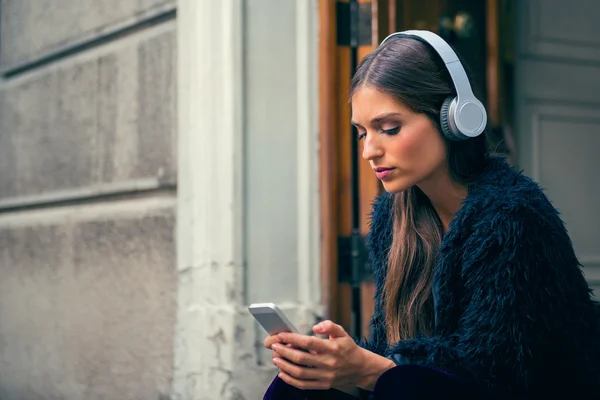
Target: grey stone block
{"x":98,"y":119}
{"x":35,"y":28}
{"x":88,"y":303}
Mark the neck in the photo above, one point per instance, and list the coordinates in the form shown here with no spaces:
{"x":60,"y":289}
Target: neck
{"x":445,"y":194}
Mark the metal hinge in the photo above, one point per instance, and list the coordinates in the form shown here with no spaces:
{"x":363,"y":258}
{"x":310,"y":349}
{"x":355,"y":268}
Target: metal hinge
{"x":354,"y":23}
{"x":349,"y":253}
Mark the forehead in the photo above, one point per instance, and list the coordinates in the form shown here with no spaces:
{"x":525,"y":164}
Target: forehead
{"x":368,"y":102}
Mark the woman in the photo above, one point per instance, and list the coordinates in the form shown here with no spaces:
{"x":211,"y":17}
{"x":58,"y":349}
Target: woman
{"x":478,"y":290}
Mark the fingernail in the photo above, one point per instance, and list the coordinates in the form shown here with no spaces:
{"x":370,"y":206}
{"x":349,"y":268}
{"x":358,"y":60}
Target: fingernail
{"x":275,"y":346}
{"x":276,"y":361}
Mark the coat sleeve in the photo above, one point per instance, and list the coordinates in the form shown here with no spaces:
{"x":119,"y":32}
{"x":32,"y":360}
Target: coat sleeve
{"x":521,"y":280}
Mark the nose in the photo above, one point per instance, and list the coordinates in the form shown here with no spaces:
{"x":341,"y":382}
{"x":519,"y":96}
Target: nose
{"x":372,"y":148}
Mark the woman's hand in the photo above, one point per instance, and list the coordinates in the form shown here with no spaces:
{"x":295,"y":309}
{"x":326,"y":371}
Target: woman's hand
{"x":274,"y":339}
{"x":329,"y":363}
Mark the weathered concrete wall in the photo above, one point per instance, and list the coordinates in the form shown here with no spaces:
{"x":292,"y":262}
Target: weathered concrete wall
{"x":100,"y":118}
{"x":88,"y":172}
{"x":86,"y":301}
{"x":37,"y":28}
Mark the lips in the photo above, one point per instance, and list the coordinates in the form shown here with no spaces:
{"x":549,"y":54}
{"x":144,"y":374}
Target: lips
{"x":382,"y":173}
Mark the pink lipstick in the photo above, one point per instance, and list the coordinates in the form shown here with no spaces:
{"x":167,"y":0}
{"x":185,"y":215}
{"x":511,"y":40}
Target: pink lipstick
{"x":382,"y":173}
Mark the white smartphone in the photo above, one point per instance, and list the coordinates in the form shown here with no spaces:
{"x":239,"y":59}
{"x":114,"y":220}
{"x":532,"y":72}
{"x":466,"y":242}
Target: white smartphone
{"x":271,"y":318}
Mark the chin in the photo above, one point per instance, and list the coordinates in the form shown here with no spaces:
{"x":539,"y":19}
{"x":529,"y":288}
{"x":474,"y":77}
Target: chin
{"x":397,"y":186}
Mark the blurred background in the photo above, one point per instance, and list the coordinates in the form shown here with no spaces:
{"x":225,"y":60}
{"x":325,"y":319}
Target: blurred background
{"x":166,"y":163}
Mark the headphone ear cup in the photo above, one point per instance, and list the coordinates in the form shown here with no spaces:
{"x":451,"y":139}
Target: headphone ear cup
{"x":445,"y":118}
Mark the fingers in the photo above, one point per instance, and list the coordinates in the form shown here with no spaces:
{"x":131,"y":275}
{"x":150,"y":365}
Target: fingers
{"x":300,"y":357}
{"x":270,"y":340}
{"x":304,"y":384}
{"x":310,"y":343}
{"x":298,"y":371}
{"x":329,"y":328}
{"x":277,"y":355}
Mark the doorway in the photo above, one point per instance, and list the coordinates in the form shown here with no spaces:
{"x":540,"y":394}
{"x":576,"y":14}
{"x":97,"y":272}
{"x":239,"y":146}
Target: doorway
{"x":350,"y":29}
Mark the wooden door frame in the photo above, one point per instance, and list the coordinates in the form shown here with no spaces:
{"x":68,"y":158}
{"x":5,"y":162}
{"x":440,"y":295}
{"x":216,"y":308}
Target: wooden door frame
{"x":327,"y":158}
{"x":334,"y":173}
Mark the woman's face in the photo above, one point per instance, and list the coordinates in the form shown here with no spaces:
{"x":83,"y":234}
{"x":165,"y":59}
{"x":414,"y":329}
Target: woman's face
{"x":404,"y":148}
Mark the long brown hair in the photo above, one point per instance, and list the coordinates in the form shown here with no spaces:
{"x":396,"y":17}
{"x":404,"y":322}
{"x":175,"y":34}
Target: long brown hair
{"x":408,"y":70}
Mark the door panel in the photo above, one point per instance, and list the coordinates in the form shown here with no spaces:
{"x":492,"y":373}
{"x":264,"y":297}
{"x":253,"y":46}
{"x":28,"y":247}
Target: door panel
{"x":555,"y":30}
{"x":558,"y":103}
{"x":560,"y":81}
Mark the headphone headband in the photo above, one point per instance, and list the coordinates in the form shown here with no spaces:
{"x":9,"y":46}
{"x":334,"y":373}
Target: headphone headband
{"x":468,"y":115}
{"x":448,"y":56}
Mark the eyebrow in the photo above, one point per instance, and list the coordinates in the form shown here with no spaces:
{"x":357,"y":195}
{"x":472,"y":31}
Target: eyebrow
{"x":381,"y":117}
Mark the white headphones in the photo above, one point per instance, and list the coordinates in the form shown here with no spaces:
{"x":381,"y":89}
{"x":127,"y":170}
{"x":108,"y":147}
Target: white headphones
{"x":461,"y":117}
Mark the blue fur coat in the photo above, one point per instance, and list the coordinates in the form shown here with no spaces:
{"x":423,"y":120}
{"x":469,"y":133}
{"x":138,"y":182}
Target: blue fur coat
{"x":512,"y":310}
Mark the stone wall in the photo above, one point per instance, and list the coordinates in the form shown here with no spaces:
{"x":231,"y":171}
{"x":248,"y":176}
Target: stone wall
{"x":87,"y":199}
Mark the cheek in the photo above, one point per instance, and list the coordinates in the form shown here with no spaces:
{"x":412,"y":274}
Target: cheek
{"x":406,"y":146}
{"x":419,"y":149}
{"x":434,"y":149}
{"x":415,"y":145}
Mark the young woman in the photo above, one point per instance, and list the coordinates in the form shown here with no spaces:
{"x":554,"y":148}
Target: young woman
{"x":479,"y":292}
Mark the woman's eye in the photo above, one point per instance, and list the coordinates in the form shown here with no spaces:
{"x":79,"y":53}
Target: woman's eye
{"x":362,"y":136}
{"x":392,"y":131}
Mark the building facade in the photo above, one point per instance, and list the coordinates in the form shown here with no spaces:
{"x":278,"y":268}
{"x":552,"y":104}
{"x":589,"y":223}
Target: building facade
{"x":108,"y":136}
{"x":160,"y":169}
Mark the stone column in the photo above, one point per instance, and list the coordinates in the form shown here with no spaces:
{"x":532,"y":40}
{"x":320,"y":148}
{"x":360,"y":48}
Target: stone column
{"x":209,"y":339}
{"x":247,"y":220}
